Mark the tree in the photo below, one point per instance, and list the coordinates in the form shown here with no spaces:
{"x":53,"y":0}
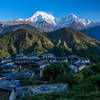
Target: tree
{"x":87,"y":72}
{"x":96,"y":68}
{"x":68,"y":78}
{"x":53,"y":70}
{"x":78,"y":78}
{"x":95,"y":80}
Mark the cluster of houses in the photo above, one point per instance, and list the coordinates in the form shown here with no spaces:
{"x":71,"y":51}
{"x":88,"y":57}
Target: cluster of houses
{"x":20,"y":61}
{"x":78,"y":63}
{"x":14,"y":68}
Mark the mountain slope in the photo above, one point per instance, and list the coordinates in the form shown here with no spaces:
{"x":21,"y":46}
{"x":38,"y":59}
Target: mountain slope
{"x":93,"y":32}
{"x":23,"y":41}
{"x":62,"y":42}
{"x":6,"y":27}
{"x":73,"y":41}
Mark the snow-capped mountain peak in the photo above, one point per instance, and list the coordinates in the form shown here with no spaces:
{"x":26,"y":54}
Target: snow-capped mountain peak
{"x":41,"y":16}
{"x":72,"y":16}
{"x":70,"y":19}
{"x":48,"y":21}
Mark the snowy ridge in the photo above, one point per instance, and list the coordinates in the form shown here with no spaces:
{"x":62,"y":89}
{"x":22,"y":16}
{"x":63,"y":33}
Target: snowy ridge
{"x":40,"y":17}
{"x":63,"y":22}
{"x":73,"y":17}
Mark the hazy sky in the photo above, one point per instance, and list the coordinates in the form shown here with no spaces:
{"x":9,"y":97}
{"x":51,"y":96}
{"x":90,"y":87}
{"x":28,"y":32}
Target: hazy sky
{"x":13,"y":9}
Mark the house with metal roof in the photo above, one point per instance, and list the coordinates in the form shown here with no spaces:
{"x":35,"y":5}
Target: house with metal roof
{"x":5,"y":60}
{"x":58,"y":59}
{"x":10,"y":68}
{"x":48,"y":55}
{"x":77,"y":67}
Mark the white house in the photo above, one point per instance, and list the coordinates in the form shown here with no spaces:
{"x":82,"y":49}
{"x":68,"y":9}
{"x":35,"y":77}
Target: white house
{"x":58,"y":59}
{"x":77,"y":67}
{"x":84,"y":60}
{"x":49,"y":55}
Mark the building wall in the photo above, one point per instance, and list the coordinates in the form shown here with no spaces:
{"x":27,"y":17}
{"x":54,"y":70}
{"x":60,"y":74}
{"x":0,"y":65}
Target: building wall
{"x":12,"y":95}
{"x":74,"y":68}
{"x":82,"y":67}
{"x":4,"y":95}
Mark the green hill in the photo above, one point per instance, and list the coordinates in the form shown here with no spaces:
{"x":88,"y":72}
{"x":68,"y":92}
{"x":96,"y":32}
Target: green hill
{"x":61,"y":42}
{"x":73,"y":41}
{"x":23,"y":41}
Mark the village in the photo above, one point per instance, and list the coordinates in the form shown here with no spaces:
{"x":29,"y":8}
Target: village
{"x":13,"y":69}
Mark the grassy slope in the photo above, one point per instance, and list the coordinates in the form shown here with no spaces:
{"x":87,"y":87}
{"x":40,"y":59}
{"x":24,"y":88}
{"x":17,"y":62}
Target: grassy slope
{"x":23,"y":41}
{"x":73,"y":40}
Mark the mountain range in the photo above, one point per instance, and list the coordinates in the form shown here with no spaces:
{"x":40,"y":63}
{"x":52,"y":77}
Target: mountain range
{"x":50,"y":23}
{"x":44,"y":33}
{"x":43,"y":22}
